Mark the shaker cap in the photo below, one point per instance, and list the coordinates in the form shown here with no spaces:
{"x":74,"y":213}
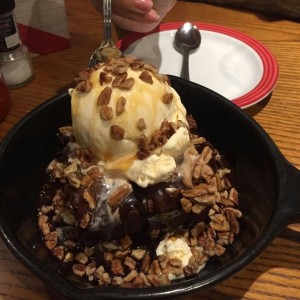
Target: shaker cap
{"x":6,"y":6}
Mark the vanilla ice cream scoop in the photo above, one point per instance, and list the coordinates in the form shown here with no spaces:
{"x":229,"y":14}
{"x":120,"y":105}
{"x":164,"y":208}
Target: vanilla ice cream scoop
{"x":130,"y":117}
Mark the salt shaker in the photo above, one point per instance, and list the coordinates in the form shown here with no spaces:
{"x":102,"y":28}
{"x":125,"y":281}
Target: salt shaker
{"x":15,"y":60}
{"x":4,"y":99}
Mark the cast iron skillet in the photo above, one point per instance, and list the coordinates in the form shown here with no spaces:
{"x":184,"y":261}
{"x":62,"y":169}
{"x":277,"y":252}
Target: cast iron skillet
{"x":268,"y":185}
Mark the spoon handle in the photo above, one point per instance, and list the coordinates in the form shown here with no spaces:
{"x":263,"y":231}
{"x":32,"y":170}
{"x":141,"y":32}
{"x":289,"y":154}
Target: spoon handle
{"x":107,"y":22}
{"x":185,"y":66}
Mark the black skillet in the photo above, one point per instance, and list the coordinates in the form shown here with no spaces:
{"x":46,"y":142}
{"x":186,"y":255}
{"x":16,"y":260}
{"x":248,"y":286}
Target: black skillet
{"x":268,"y":185}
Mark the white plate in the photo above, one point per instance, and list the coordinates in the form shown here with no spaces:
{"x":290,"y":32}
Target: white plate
{"x":229,"y":62}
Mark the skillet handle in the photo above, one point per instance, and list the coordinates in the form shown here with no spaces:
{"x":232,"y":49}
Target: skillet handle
{"x":292,"y":193}
{"x":290,"y":208}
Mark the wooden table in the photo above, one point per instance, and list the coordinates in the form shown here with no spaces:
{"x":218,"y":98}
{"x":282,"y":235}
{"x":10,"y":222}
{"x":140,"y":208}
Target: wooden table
{"x":273,"y":275}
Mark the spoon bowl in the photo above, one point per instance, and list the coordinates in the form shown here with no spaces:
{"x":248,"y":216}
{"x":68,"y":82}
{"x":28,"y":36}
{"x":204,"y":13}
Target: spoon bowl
{"x":187,"y":39}
{"x":107,"y":48}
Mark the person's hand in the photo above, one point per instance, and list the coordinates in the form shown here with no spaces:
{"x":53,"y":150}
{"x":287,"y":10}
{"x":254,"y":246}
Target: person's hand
{"x":138,"y":15}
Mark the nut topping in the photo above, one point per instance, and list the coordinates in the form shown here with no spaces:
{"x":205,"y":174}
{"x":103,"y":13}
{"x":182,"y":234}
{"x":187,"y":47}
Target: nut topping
{"x":84,"y":86}
{"x":117,"y":132}
{"x":141,"y":124}
{"x":167,"y":98}
{"x":146,"y":77}
{"x":106,"y":113}
{"x":118,"y":195}
{"x":104,"y":97}
{"x":120,"y":106}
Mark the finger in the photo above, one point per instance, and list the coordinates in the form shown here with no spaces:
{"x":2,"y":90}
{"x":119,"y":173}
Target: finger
{"x":134,"y":6}
{"x":131,"y":25}
{"x":152,"y":16}
{"x":139,"y":18}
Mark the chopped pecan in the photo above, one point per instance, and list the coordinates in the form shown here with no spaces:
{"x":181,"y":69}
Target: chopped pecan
{"x":84,"y":86}
{"x":43,"y":224}
{"x":155,"y":268}
{"x":116,"y":267}
{"x":167,"y":98}
{"x":192,"y":123}
{"x":90,"y":268}
{"x":198,"y":208}
{"x":158,"y":280}
{"x":106,"y":112}
{"x":138,"y":281}
{"x":142,"y":155}
{"x":145,"y":267}
{"x":68,"y":257}
{"x":119,"y":79}
{"x":146,"y":77}
{"x":143,"y":143}
{"x":150,"y":68}
{"x":51,"y":236}
{"x":205,"y":199}
{"x":138,"y":253}
{"x":81,"y":258}
{"x":233,"y":196}
{"x":121,"y":192}
{"x":198,"y":229}
{"x":199,"y":190}
{"x":186,"y":205}
{"x":162,"y":78}
{"x":130,"y":263}
{"x":99,"y":272}
{"x":58,"y":252}
{"x":141,"y":124}
{"x":51,"y":244}
{"x":105,"y":279}
{"x":94,"y":172}
{"x":198,"y":140}
{"x":137,"y":64}
{"x":117,"y":132}
{"x":232,"y":219}
{"x":104,"y":96}
{"x":132,"y":275}
{"x":126,"y":240}
{"x":79,"y":269}
{"x":85,"y":221}
{"x":126,"y":84}
{"x":104,"y":78}
{"x":120,"y":68}
{"x":225,"y":237}
{"x":120,"y":106}
{"x":82,"y":75}
{"x":89,"y":196}
{"x":225,"y":226}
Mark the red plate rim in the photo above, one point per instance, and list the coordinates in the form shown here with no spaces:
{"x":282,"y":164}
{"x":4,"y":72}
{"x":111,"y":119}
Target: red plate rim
{"x":270,"y":66}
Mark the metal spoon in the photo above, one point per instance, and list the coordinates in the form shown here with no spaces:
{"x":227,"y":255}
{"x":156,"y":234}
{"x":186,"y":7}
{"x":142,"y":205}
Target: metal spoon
{"x":187,"y":39}
{"x":107,"y":48}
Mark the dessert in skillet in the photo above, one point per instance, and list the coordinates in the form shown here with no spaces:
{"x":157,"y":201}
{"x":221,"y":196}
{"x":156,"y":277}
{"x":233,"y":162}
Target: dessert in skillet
{"x":134,"y":197}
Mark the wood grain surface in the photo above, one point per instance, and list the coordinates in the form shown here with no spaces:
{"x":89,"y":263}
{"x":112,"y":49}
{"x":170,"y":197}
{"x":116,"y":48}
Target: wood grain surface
{"x":275,"y":274}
